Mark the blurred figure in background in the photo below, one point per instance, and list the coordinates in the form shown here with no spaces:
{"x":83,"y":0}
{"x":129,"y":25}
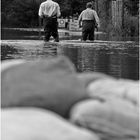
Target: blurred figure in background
{"x":90,"y":21}
{"x":49,"y":11}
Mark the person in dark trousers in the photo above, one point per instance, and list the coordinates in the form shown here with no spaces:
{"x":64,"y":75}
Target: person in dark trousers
{"x":90,"y":21}
{"x":49,"y":11}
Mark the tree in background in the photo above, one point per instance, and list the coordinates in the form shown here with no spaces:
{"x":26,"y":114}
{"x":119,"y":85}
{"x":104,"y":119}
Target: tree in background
{"x":5,"y":10}
{"x":24,"y":13}
{"x":104,"y":12}
{"x":131,"y":17}
{"x":20,"y":13}
{"x":132,"y":6}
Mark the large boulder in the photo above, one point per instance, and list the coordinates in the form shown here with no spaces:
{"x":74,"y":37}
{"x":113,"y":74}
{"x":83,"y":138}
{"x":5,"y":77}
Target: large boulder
{"x":111,"y":120}
{"x":50,"y":84}
{"x":37,"y":124}
{"x":113,"y":88}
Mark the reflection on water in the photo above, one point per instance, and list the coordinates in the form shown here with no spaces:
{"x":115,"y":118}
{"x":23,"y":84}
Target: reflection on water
{"x":121,"y":61}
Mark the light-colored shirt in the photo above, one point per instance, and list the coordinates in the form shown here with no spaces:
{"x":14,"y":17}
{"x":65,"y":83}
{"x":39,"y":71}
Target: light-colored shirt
{"x":49,"y":8}
{"x":89,"y":14}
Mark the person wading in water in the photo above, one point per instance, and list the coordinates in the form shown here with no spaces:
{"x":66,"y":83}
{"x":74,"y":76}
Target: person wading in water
{"x":49,"y":11}
{"x":90,"y":21}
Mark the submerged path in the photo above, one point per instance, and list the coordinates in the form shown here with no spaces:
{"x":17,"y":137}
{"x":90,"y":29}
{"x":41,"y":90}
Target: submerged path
{"x":61,"y":31}
{"x":36,"y":44}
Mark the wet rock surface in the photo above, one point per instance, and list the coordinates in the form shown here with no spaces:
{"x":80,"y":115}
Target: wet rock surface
{"x":113,"y":88}
{"x":8,"y":64}
{"x":37,"y":124}
{"x":114,"y":119}
{"x":89,"y":77}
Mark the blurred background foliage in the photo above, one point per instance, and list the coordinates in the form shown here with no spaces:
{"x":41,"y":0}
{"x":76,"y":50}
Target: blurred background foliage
{"x":24,"y":13}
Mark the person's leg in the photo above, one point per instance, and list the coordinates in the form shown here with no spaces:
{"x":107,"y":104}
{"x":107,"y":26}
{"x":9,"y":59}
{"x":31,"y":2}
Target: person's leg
{"x":84,"y":35}
{"x":84,"y":30}
{"x":91,"y":30}
{"x":91,"y":34}
{"x":47,"y":33}
{"x":47,"y":30}
{"x":54,"y":30}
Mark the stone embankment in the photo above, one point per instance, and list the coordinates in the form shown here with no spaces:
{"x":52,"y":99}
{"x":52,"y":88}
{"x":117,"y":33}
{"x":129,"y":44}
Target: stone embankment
{"x":48,"y":100}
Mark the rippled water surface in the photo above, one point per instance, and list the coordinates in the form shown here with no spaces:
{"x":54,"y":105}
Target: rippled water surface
{"x":120,"y":60}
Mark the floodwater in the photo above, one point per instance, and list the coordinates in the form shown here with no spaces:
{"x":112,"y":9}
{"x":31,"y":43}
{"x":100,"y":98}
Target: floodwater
{"x":118,"y":60}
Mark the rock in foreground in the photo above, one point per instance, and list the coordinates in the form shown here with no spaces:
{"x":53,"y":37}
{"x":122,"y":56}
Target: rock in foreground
{"x":51,"y":84}
{"x":112,"y":88}
{"x":90,"y":77}
{"x":112,"y":120}
{"x":36,"y":124}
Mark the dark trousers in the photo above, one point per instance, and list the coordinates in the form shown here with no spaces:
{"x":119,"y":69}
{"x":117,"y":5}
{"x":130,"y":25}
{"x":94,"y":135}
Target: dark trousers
{"x":50,"y":28}
{"x":88,"y":28}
